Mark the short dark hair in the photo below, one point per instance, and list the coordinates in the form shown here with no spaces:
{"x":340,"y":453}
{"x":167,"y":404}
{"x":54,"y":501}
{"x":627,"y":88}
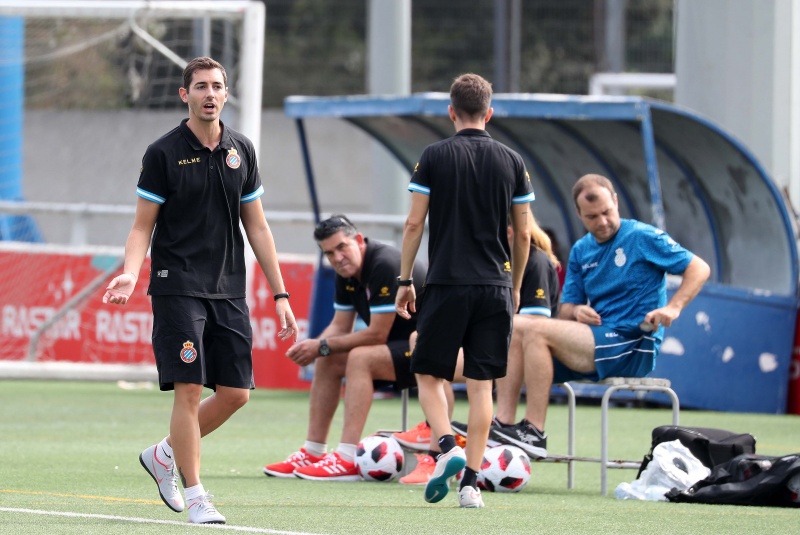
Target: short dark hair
{"x":590,"y":180}
{"x":332,"y":225}
{"x":202,"y":64}
{"x":470,"y":96}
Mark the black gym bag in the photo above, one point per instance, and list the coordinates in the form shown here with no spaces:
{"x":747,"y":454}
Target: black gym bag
{"x":711,"y":446}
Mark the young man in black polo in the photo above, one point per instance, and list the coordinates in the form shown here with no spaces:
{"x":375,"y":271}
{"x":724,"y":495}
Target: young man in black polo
{"x":365,"y":285}
{"x":467,"y":185}
{"x":196,"y":184}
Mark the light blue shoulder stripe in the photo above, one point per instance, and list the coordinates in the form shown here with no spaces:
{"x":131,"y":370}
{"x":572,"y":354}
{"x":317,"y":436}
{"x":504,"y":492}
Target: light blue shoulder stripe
{"x":536,"y":311}
{"x":419,"y":189}
{"x":345,"y":308}
{"x":381,"y":309}
{"x":253,"y":196}
{"x":144,"y":194}
{"x":525,"y":198}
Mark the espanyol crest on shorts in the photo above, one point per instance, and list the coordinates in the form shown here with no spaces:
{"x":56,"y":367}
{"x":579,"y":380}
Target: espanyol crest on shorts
{"x":233,"y":159}
{"x":188,"y":353}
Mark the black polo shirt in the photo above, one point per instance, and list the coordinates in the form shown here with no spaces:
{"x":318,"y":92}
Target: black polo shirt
{"x":540,"y":290}
{"x":472,"y":180}
{"x":197,"y":246}
{"x":376,"y":291}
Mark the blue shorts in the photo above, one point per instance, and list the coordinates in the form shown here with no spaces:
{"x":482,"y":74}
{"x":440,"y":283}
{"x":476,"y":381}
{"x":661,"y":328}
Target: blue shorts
{"x":616,"y":354}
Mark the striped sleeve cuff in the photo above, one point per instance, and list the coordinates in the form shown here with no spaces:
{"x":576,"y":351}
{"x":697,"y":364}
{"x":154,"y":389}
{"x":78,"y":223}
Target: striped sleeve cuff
{"x":253,"y":196}
{"x":381,"y":309}
{"x":523,"y":199}
{"x":536,"y":311}
{"x":144,"y":194}
{"x":419,"y":189}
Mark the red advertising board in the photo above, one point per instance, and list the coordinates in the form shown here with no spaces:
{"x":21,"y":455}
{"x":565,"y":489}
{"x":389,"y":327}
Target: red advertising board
{"x":36,"y":285}
{"x":793,"y":398}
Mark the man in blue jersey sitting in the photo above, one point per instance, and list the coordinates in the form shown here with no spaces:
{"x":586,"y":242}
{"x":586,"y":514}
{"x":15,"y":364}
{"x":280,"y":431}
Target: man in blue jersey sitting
{"x":613,"y":308}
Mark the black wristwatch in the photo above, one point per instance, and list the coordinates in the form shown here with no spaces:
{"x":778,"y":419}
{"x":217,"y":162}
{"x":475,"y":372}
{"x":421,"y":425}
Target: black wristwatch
{"x":405,"y":282}
{"x":324,"y":348}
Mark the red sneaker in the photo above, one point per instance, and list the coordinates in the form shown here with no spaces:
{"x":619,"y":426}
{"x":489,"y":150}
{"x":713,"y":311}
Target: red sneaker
{"x":418,"y":438}
{"x":423,"y":471}
{"x":331,"y":468}
{"x":295,"y":460}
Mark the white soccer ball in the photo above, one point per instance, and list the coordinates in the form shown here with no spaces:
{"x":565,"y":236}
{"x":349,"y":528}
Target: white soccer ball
{"x":504,"y":469}
{"x":379,"y":458}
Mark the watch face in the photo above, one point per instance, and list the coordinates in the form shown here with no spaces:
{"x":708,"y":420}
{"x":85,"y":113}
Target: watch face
{"x":324,"y":349}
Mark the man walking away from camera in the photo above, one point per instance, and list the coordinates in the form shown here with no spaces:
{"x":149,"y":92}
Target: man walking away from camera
{"x":467,"y":185}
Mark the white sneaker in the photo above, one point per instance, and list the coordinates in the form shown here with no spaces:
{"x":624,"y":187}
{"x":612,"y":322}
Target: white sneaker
{"x":202,"y":511}
{"x":447,"y":465}
{"x":470,"y":497}
{"x":163,"y":473}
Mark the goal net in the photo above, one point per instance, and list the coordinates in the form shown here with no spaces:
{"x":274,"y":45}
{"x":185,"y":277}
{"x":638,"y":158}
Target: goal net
{"x":117,"y":55}
{"x":116,"y":58}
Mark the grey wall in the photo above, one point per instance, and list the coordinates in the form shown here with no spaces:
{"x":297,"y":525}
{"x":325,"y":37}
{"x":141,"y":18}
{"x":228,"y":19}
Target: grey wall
{"x":94,"y":157}
{"x":738,"y":63}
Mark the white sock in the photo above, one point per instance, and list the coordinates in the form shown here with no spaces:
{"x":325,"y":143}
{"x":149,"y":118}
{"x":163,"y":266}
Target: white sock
{"x":315,"y":448}
{"x":347,"y":451}
{"x":192,"y":493}
{"x":167,"y":449}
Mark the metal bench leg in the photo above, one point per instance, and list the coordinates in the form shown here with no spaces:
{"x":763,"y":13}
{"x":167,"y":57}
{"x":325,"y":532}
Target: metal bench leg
{"x":570,"y":435}
{"x":676,"y":407}
{"x":404,"y":412}
{"x":604,"y":439}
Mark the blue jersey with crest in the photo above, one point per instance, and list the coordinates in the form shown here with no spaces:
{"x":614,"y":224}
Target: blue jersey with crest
{"x":624,"y":278}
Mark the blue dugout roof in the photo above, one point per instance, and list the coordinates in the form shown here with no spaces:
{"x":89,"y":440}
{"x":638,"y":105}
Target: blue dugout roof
{"x":671,"y":167}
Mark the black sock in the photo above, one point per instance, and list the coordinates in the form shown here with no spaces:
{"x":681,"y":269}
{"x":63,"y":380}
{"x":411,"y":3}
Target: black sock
{"x":434,"y":454}
{"x":447,"y":443}
{"x":501,"y":424}
{"x":470,"y":479}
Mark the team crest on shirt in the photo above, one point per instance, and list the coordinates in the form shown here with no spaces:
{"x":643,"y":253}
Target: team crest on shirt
{"x":384,"y":291}
{"x":539,"y":293}
{"x":506,"y":266}
{"x":620,"y":258}
{"x":233,"y":159}
{"x":188,"y":353}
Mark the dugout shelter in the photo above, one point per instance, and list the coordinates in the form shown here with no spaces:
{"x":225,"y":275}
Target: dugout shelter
{"x":731,"y":349}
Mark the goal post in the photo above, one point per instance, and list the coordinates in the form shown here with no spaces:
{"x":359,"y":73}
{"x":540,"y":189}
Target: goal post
{"x":105,"y":60}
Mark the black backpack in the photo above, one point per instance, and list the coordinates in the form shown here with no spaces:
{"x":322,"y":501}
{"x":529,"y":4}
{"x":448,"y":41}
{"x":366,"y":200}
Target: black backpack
{"x":746,"y":480}
{"x":710,"y":446}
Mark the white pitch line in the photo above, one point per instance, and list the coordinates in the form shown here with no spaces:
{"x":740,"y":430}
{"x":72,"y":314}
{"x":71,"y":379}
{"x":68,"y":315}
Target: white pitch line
{"x":152,"y":521}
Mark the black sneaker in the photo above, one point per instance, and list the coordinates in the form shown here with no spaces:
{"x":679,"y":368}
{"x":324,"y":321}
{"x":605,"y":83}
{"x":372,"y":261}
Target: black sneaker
{"x":523,"y":435}
{"x":461,"y":429}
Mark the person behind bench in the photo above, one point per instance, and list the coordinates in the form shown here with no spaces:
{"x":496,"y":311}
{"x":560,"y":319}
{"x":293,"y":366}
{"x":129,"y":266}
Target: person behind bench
{"x":613,"y":308}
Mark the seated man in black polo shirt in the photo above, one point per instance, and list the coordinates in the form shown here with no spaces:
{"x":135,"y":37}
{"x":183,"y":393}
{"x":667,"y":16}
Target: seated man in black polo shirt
{"x":366,"y":284}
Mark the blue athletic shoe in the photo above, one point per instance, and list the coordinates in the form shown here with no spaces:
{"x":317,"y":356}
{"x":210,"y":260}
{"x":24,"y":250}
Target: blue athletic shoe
{"x":447,"y":465}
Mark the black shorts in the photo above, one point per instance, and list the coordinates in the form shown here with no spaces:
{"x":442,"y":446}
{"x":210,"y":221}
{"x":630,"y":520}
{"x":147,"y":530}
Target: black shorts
{"x":202,"y":341}
{"x":477,"y":318}
{"x":401,"y":358}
